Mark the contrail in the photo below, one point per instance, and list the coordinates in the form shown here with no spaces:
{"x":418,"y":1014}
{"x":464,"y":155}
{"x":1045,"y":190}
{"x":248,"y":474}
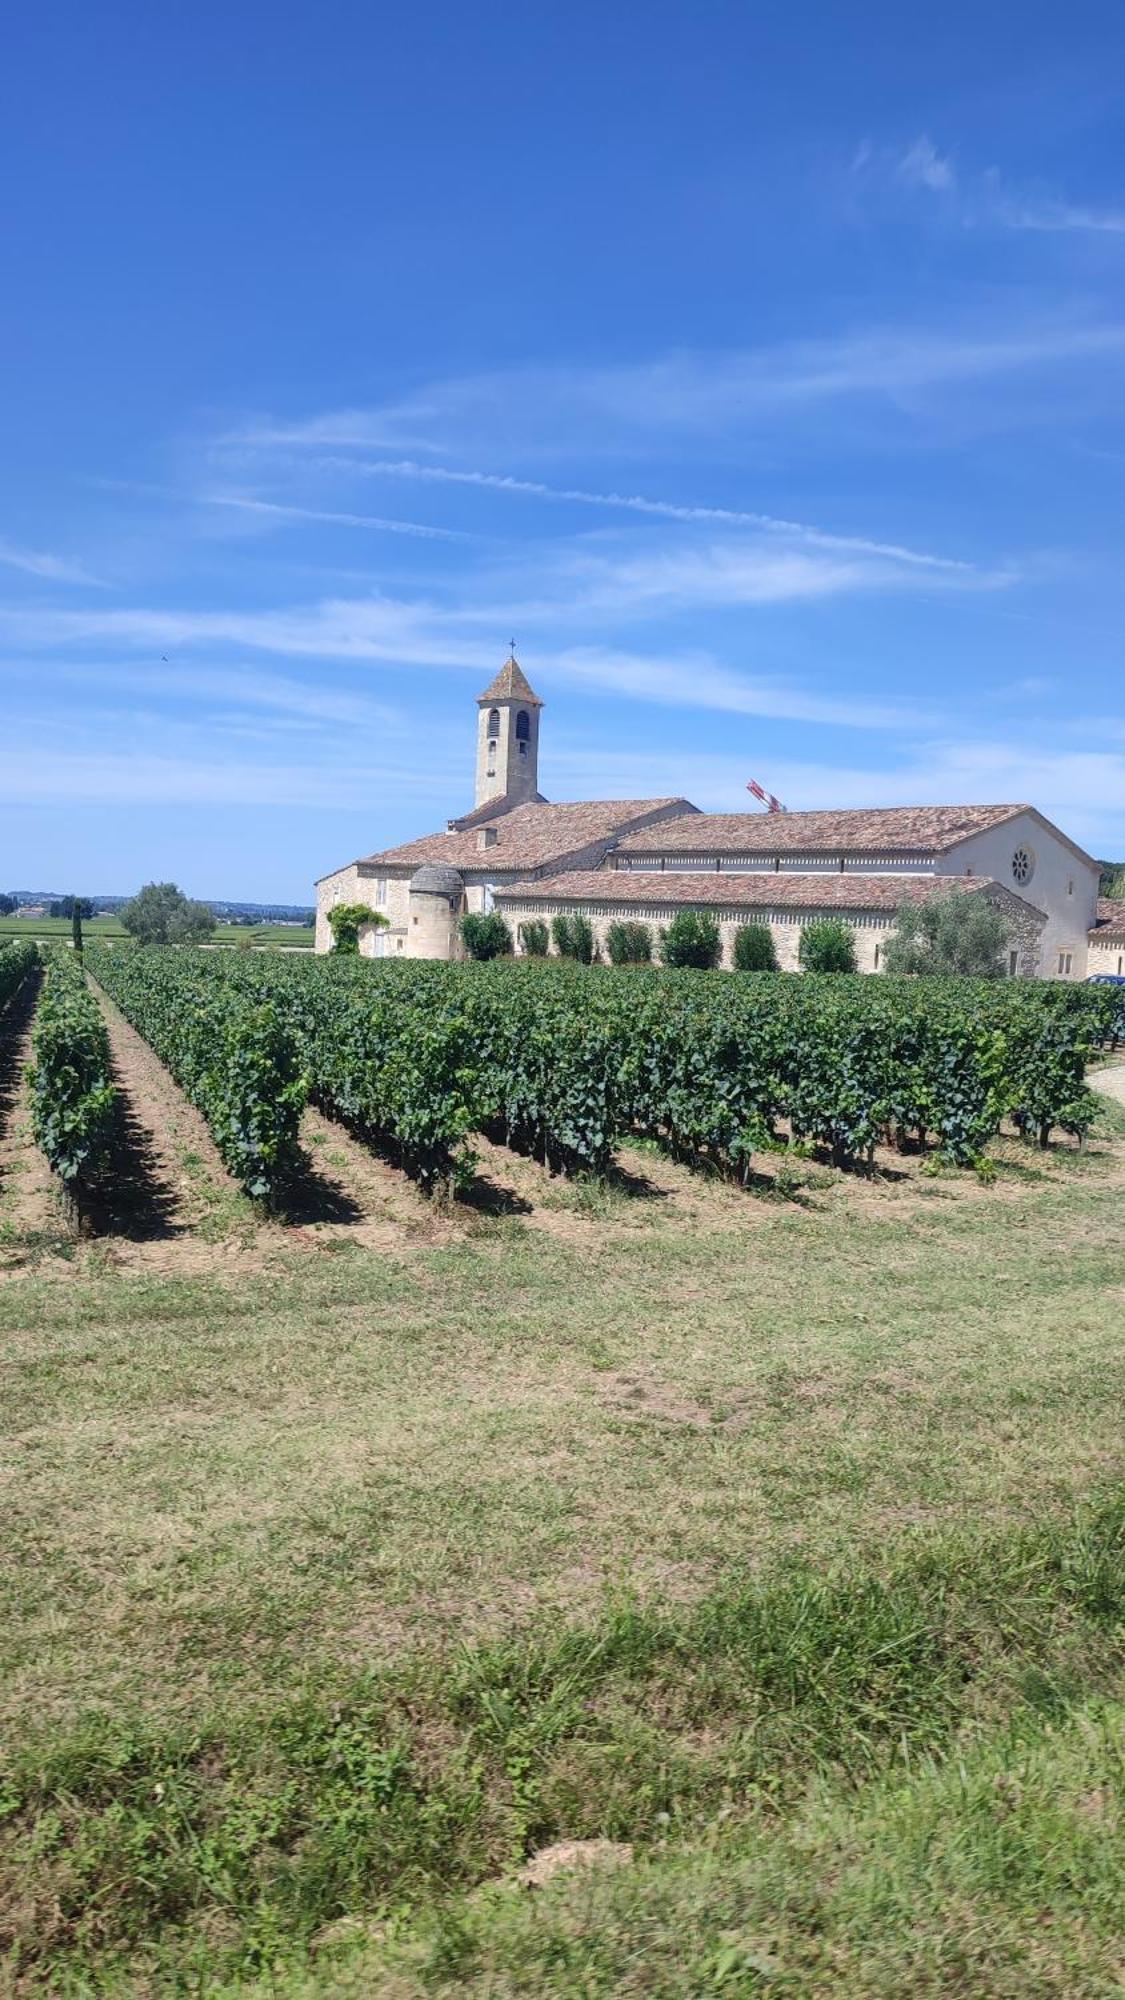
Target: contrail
{"x":637,"y":503}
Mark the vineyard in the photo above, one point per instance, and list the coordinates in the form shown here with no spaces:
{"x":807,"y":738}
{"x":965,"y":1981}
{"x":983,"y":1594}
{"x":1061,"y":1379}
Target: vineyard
{"x":566,"y":1063}
{"x":743,"y":1525}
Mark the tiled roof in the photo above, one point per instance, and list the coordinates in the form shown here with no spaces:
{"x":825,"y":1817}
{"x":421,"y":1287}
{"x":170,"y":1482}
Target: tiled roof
{"x":885,"y":829}
{"x":751,"y":892}
{"x":1109,"y":924}
{"x":529,"y":836}
{"x":511,"y":684}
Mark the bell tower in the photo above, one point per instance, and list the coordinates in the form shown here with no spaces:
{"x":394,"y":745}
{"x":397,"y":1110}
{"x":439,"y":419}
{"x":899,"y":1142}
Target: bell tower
{"x":508,"y":738}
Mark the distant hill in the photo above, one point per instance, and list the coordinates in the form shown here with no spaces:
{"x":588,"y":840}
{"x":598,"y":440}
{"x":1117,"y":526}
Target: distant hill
{"x":229,"y":912}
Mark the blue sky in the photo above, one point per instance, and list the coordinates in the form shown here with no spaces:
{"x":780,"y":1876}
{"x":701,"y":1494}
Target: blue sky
{"x":761,"y":368}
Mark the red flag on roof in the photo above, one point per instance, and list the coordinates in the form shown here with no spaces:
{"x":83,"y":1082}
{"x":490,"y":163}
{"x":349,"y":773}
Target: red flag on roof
{"x":771,"y":804}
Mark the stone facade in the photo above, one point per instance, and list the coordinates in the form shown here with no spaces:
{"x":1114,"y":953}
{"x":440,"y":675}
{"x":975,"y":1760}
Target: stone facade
{"x":525,"y":904}
{"x":649,"y":858}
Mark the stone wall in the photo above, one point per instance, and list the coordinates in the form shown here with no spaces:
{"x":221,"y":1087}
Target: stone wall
{"x":870,"y":929}
{"x":1107,"y":955}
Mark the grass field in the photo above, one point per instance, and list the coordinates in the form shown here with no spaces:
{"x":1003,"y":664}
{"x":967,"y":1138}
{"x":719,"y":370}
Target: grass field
{"x":770,"y":1542}
{"x":111,"y":927}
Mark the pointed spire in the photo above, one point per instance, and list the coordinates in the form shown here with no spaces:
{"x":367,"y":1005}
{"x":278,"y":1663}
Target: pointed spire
{"x":511,"y":684}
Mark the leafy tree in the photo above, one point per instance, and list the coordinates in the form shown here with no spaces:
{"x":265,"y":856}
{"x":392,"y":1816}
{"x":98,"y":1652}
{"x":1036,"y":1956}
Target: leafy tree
{"x":346,"y":920}
{"x":754,"y":948}
{"x":574,"y":937}
{"x":954,"y":934}
{"x":535,"y":938}
{"x":69,"y":907}
{"x":827,"y":946}
{"x":691,"y":939}
{"x":629,"y":943}
{"x":8,"y":905}
{"x":484,"y":934}
{"x":161,"y":914}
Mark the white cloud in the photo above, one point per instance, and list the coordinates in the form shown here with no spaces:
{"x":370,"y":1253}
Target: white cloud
{"x":53,"y":569}
{"x":722,"y":395}
{"x":1083,"y":791}
{"x":125,"y":778}
{"x":698,"y":681}
{"x":983,"y":200}
{"x":923,"y":166}
{"x":233,"y":685}
{"x":1060,"y":217}
{"x":406,"y":637}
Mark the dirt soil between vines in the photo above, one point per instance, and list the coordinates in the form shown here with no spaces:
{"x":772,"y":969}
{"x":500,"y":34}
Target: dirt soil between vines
{"x":172,"y":1207}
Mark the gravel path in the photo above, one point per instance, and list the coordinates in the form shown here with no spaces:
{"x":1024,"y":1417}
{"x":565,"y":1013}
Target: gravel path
{"x":1110,"y":1082}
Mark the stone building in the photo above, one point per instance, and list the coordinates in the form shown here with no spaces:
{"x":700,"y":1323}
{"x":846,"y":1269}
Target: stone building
{"x":649,"y":858}
{"x":1107,"y":940}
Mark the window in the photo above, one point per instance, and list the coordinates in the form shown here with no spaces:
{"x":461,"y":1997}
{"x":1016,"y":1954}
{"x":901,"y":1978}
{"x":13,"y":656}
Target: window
{"x":494,"y":722}
{"x":1064,"y":962}
{"x":523,"y":726}
{"x":1070,"y":885}
{"x":380,"y":892}
{"x":1013,"y":964}
{"x":1023,"y":865}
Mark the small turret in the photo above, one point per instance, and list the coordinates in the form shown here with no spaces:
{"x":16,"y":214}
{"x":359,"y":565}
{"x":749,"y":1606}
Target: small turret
{"x":435,"y":899}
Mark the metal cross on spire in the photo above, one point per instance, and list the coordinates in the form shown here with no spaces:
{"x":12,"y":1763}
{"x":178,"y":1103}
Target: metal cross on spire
{"x":512,"y":648}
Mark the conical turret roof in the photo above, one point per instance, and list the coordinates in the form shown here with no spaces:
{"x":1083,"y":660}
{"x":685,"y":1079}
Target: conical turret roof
{"x":511,"y":684}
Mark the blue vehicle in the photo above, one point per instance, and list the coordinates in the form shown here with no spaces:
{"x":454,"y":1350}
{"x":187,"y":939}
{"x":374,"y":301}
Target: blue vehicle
{"x":1105,"y":979}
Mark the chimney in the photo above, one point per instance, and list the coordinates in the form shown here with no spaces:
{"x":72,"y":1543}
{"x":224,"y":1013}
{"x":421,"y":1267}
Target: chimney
{"x":487,"y":837}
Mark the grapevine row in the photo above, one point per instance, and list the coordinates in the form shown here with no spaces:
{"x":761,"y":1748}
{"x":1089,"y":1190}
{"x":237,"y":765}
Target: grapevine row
{"x":17,"y":962}
{"x":231,"y":1051}
{"x":567,"y":1061}
{"x":73,"y":1101}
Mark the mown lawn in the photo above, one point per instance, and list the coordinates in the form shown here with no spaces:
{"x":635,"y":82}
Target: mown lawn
{"x":788,"y":1554}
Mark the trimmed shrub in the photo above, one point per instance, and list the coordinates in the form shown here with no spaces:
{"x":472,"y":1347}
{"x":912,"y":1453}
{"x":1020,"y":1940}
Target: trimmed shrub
{"x":574,"y":937}
{"x":535,"y":938}
{"x":827,"y":946}
{"x":691,"y":939}
{"x":754,"y":949}
{"x":629,"y":943}
{"x":484,"y":934}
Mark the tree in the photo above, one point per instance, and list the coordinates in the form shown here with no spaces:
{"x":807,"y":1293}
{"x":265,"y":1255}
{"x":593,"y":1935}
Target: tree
{"x":574,"y":937}
{"x":691,"y":939}
{"x":8,"y":905}
{"x":69,"y":907}
{"x":754,"y":948}
{"x":954,"y":934}
{"x":629,"y":943}
{"x":484,"y":934}
{"x":346,"y":920}
{"x":161,"y":914}
{"x":535,"y":938}
{"x":827,"y":946}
